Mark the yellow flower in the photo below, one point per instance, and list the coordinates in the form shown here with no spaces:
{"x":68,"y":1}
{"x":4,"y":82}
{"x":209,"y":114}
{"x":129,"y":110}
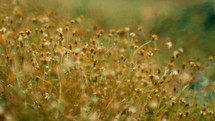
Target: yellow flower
{"x":211,"y":58}
{"x":154,"y":37}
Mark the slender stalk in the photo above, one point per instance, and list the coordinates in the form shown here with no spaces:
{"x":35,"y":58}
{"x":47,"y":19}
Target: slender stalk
{"x":141,"y":47}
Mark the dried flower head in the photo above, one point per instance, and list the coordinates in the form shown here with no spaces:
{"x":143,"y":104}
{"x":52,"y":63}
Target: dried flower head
{"x":154,"y":37}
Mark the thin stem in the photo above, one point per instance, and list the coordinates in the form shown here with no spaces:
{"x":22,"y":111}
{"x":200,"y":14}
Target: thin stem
{"x":141,"y":47}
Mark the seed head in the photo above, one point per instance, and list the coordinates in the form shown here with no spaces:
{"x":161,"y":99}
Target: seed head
{"x":132,"y":34}
{"x":211,"y":58}
{"x":139,"y":28}
{"x":154,"y":37}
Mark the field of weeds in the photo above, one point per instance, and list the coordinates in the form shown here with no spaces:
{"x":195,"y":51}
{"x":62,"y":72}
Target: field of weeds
{"x":92,"y":60}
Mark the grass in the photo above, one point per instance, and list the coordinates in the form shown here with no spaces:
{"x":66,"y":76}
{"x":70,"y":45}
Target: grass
{"x":57,"y":65}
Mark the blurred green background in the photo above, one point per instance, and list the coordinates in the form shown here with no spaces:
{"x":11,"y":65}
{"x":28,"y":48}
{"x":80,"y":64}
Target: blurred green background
{"x":190,"y":23}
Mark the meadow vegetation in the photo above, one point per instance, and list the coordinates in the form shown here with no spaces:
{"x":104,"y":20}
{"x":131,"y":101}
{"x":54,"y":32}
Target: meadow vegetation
{"x":61,"y":63}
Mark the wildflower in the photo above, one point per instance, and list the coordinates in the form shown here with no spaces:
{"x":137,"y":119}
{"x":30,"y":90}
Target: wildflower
{"x":181,"y":114}
{"x":185,"y":77}
{"x":165,"y":97}
{"x":127,"y":29}
{"x":155,"y":91}
{"x":150,"y":53}
{"x":101,"y":31}
{"x":141,"y":52}
{"x":3,"y":30}
{"x":139,"y":28}
{"x":78,"y":19}
{"x":121,"y":32}
{"x":211,"y":112}
{"x":138,"y":90}
{"x":37,"y":30}
{"x":20,"y":38}
{"x":34,"y":20}
{"x":181,"y":50}
{"x":211,"y":58}
{"x":168,"y":44}
{"x":149,"y":97}
{"x":158,"y":70}
{"x":67,"y":51}
{"x":112,"y":31}
{"x":154,"y":37}
{"x":99,"y":34}
{"x":61,"y":35}
{"x":175,"y":55}
{"x":132,"y":109}
{"x":172,"y":103}
{"x":203,"y":113}
{"x":73,"y":32}
{"x":45,"y":59}
{"x":110,"y":35}
{"x":184,"y":65}
{"x":168,"y":38}
{"x":193,"y":64}
{"x":170,"y":64}
{"x":151,"y":75}
{"x":153,"y":104}
{"x":72,"y":22}
{"x":136,"y":41}
{"x":122,"y":57}
{"x":186,"y":104}
{"x":132,"y":34}
{"x":28,"y":32}
{"x":95,"y":61}
{"x":47,"y":96}
{"x":174,"y":73}
{"x":156,"y":49}
{"x":47,"y":43}
{"x":41,"y":30}
{"x":66,"y":28}
{"x":45,"y":35}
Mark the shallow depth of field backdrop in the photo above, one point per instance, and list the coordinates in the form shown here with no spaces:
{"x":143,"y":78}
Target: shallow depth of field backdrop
{"x":188,"y":24}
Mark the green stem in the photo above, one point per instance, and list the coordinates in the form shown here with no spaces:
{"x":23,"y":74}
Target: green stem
{"x":141,"y":47}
